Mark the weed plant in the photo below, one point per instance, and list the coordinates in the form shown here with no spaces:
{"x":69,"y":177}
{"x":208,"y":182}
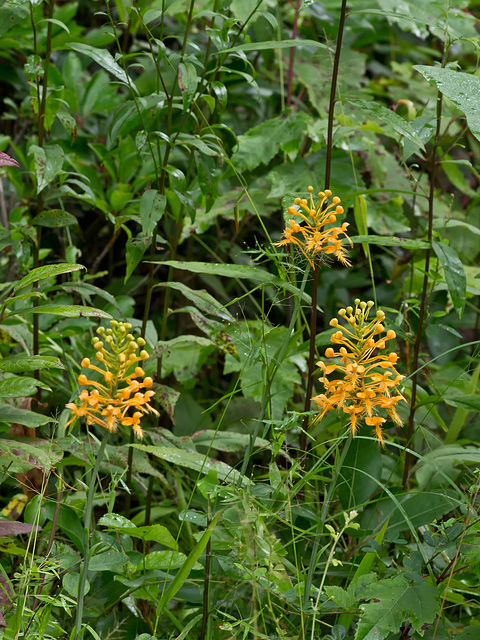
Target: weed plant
{"x":231,"y":407}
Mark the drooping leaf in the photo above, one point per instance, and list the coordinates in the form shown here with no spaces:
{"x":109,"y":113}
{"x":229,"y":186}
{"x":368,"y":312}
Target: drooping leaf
{"x":20,"y":386}
{"x":150,"y":533}
{"x":192,"y":460}
{"x":393,"y":601}
{"x":461,"y":88}
{"x":235,"y":271}
{"x":274,"y":44}
{"x":48,"y":271}
{"x":406,"y":243}
{"x":393,"y":121}
{"x":68,"y":311}
{"x":21,"y":362}
{"x":54,"y":218}
{"x":105,"y":59}
{"x":11,"y":414}
{"x":152,"y":206}
{"x":48,"y":162}
{"x":454,"y":274}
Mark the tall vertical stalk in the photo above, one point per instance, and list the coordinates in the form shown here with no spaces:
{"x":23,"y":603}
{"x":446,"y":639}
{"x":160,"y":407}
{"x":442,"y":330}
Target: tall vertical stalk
{"x":316,"y":271}
{"x":433,"y":166}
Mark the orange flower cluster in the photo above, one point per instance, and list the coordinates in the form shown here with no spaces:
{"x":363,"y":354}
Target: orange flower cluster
{"x":109,"y":403}
{"x":312,"y":237}
{"x":368,"y":379}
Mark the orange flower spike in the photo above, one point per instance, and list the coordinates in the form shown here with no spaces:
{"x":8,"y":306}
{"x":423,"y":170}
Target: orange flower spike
{"x":117,"y":352}
{"x":362,"y":389}
{"x":316,"y":238}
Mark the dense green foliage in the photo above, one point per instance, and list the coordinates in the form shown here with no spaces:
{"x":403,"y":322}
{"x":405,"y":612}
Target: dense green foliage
{"x":161,"y":146}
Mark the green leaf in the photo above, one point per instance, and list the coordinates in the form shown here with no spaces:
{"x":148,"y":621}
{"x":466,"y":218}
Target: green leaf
{"x":28,"y":453}
{"x":274,"y":44}
{"x":48,"y":162}
{"x":54,"y":218}
{"x":152,"y":206}
{"x":68,"y":311}
{"x":461,"y":88}
{"x":48,"y":271}
{"x":21,"y":362}
{"x":361,"y":472}
{"x":195,"y":461}
{"x":464,"y":401}
{"x":105,"y":59}
{"x":202,"y":299}
{"x":454,"y":274}
{"x":164,"y":560}
{"x":234,"y":271}
{"x":262,"y":143}
{"x":134,"y":251}
{"x":392,"y":241}
{"x":184,"y":572}
{"x":20,"y":386}
{"x":187,"y":82}
{"x":226,"y":440}
{"x":393,"y":121}
{"x":431,"y":470}
{"x":108,"y":561}
{"x":30,"y":419}
{"x":150,"y":533}
{"x":393,"y":601}
{"x":11,"y":13}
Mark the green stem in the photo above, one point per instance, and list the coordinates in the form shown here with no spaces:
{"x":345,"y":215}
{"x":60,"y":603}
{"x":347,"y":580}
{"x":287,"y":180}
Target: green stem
{"x":321,"y":523}
{"x":86,"y":534}
{"x":423,"y":303}
{"x":316,"y":272}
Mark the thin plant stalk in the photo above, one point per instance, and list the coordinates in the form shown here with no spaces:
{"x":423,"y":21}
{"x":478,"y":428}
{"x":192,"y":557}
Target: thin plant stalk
{"x":292,"y":55}
{"x":423,"y":301}
{"x":86,"y":534}
{"x":316,"y":272}
{"x":323,"y":518}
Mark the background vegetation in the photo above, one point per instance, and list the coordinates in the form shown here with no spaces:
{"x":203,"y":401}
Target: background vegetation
{"x":160,"y":146}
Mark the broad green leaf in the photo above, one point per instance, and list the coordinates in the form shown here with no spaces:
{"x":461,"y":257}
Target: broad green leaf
{"x":152,"y":206}
{"x":461,"y":88}
{"x":22,"y":362}
{"x":358,"y":487}
{"x":202,"y":300}
{"x":54,"y":218}
{"x":134,"y":251}
{"x":234,"y":271}
{"x":431,"y":470}
{"x":360,"y":214}
{"x":27,"y":453}
{"x":48,"y":162}
{"x":150,"y":533}
{"x":274,"y":44}
{"x":30,"y":419}
{"x":392,"y":241}
{"x":187,"y":82}
{"x":449,"y":224}
{"x":464,"y":401}
{"x":393,"y":601}
{"x":48,"y":271}
{"x":20,"y":386}
{"x":164,"y":560}
{"x":382,"y":114}
{"x":454,"y":274}
{"x":262,"y":143}
{"x":184,"y":572}
{"x":226,"y":440}
{"x":11,"y":13}
{"x":105,"y":59}
{"x":68,"y":311}
{"x":108,"y":561}
{"x":193,"y":460}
